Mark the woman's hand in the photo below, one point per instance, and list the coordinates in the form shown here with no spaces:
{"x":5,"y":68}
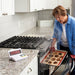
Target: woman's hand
{"x":52,"y":49}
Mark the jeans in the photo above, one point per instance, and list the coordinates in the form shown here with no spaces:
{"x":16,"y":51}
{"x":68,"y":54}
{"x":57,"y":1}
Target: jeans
{"x":65,"y":48}
{"x":69,"y":53}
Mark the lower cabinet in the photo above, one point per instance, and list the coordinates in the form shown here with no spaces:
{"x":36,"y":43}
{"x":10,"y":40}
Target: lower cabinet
{"x":32,"y":68}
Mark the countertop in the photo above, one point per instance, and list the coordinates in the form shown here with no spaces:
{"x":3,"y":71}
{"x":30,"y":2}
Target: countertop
{"x":14,"y":68}
{"x":46,"y":32}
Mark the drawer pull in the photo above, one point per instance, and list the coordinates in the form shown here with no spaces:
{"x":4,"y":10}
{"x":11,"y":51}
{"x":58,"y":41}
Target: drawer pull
{"x":4,"y":14}
{"x":29,"y":70}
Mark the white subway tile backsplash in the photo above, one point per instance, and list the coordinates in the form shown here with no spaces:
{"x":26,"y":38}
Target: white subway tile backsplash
{"x":17,"y":24}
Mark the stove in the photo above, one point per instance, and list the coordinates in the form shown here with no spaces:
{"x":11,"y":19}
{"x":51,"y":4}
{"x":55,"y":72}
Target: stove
{"x":23,"y":42}
{"x":27,"y":42}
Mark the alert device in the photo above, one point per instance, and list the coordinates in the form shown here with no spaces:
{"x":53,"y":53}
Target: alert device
{"x":16,"y":54}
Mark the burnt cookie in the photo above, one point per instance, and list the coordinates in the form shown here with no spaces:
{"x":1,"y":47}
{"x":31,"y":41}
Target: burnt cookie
{"x":58,"y":59}
{"x":49,"y":62}
{"x":56,"y":55}
{"x":53,"y":59}
{"x":60,"y":53}
{"x":61,"y":56}
{"x":55,"y":62}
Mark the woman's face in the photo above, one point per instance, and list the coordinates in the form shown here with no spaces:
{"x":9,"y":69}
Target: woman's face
{"x":60,"y":18}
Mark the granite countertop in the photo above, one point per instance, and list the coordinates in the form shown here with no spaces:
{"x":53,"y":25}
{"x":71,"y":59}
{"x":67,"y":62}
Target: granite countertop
{"x":14,"y":68}
{"x":46,"y":32}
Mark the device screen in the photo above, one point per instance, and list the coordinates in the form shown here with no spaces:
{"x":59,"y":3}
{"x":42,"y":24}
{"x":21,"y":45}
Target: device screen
{"x":15,"y":52}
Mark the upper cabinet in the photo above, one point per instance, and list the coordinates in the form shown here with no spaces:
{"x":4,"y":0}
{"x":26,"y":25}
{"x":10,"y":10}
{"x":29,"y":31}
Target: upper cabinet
{"x":50,"y":4}
{"x":65,"y":3}
{"x":36,"y":5}
{"x":22,"y":5}
{"x":0,"y":8}
{"x":6,"y":7}
{"x":9,"y":7}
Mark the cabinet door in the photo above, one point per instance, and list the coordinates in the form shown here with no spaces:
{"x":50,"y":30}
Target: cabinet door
{"x":32,"y":68}
{"x":34,"y":5}
{"x":50,"y":4}
{"x":7,"y":7}
{"x":0,"y":8}
{"x":22,"y":5}
{"x":42,"y":4}
{"x":65,"y":3}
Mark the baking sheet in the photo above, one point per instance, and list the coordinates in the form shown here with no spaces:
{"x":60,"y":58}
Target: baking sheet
{"x":55,"y":58}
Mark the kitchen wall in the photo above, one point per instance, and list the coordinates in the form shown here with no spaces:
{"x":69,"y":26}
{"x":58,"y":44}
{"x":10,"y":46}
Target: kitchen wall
{"x":19,"y":23}
{"x":45,"y":15}
{"x":16,"y":24}
{"x":45,"y":18}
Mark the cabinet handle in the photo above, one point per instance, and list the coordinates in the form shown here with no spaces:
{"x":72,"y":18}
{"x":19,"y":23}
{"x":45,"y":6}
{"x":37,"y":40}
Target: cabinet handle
{"x":29,"y":70}
{"x":4,"y":14}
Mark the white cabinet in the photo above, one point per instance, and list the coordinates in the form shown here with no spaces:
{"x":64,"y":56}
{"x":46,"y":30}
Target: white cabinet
{"x":32,"y":68}
{"x":51,"y":4}
{"x":48,"y":4}
{"x":0,"y":8}
{"x":65,"y":3}
{"x":34,"y":5}
{"x":22,"y":5}
{"x":42,"y":4}
{"x":7,"y":7}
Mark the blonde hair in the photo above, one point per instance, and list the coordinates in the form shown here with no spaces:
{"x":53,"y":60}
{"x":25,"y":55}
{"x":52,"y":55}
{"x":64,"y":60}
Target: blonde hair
{"x":59,"y":10}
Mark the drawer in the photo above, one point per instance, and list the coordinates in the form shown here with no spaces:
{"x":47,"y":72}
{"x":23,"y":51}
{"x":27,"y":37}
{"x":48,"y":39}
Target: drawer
{"x":32,"y":68}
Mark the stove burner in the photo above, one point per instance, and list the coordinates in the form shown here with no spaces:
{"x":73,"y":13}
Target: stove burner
{"x":23,"y":42}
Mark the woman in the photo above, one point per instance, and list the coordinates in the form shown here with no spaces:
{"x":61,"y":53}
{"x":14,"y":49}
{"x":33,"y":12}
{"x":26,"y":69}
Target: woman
{"x":64,"y":30}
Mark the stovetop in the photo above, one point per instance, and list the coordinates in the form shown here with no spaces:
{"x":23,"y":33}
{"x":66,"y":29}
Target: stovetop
{"x":23,"y":42}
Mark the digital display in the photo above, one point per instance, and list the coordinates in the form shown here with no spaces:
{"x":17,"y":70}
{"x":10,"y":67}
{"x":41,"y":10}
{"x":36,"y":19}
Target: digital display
{"x":15,"y":52}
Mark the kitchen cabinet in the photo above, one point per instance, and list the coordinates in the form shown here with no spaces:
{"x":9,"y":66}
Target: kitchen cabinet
{"x":6,"y":7}
{"x":9,"y":7}
{"x":22,"y":6}
{"x":65,"y":3}
{"x":51,"y":4}
{"x":32,"y":68}
{"x":0,"y":8}
{"x":36,"y":5}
